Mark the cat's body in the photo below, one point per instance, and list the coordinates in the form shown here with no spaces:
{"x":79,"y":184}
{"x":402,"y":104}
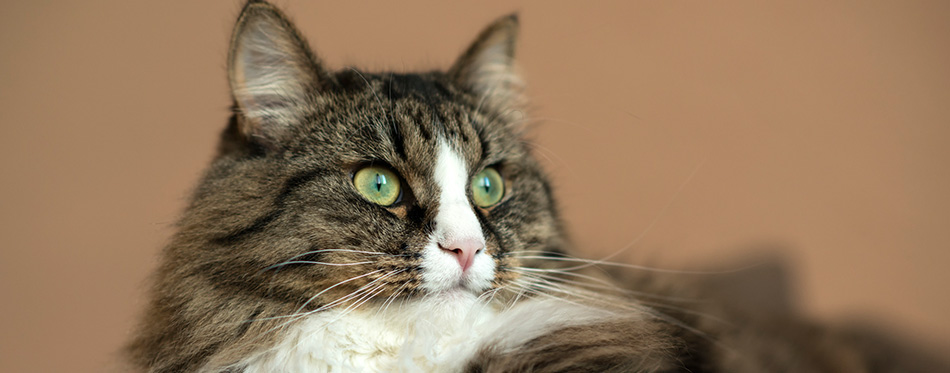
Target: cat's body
{"x":397,"y":222}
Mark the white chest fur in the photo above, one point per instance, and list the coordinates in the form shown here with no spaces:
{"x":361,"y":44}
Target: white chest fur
{"x":437,"y":334}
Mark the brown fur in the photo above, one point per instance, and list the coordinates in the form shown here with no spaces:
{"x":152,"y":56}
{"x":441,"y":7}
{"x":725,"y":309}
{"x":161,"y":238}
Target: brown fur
{"x":620,"y":345}
{"x":281,"y":187}
{"x":279,"y":194}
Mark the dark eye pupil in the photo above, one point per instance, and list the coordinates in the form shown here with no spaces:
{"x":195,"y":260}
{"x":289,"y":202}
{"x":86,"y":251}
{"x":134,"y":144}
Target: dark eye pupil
{"x":486,"y":183}
{"x":380,"y":180}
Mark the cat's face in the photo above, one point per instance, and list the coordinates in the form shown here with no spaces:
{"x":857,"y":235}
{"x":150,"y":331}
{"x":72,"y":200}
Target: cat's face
{"x":335,"y":188}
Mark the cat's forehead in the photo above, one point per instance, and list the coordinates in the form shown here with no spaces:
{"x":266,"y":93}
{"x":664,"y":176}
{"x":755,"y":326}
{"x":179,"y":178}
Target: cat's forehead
{"x":402,"y":118}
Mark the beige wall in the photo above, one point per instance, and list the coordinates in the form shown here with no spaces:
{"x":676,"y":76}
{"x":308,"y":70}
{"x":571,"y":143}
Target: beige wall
{"x":817,"y":127}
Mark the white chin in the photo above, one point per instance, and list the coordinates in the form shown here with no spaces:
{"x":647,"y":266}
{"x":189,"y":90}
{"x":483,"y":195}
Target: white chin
{"x":442,"y":273}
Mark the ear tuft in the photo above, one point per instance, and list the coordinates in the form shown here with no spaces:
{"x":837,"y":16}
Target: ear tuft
{"x":271,"y":70}
{"x":487,"y":67}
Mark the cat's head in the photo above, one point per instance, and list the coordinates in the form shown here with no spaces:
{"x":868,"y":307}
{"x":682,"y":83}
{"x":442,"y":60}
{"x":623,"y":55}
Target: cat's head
{"x":348,"y":186}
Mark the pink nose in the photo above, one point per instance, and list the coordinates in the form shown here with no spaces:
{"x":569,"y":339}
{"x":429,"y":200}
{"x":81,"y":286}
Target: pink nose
{"x":464,"y":250}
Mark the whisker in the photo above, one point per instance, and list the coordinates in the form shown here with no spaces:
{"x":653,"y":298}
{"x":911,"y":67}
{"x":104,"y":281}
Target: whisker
{"x":368,"y":296}
{"x":488,"y":293}
{"x":597,"y":262}
{"x":342,"y":251}
{"x":631,"y":306}
{"x":530,"y":285}
{"x":297,"y":312}
{"x":312,"y":262}
{"x":371,"y":294}
{"x":295,"y":257}
{"x":393,"y":297}
{"x":335,"y":285}
{"x":607,"y":285}
{"x":299,"y":315}
{"x":594,"y":298}
{"x":638,"y":293}
{"x":673,"y":307}
{"x":518,"y":296}
{"x":364,"y":288}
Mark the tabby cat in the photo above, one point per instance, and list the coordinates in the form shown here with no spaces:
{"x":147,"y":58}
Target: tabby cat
{"x":379,"y":222}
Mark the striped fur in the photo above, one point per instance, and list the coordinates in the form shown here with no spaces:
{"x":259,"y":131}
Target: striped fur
{"x":279,"y":264}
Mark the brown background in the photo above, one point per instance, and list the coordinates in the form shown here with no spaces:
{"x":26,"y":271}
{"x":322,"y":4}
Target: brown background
{"x":820,"y":128}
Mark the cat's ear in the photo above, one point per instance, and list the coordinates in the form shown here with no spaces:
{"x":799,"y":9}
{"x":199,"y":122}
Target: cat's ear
{"x":272,"y":72}
{"x":488,"y":66}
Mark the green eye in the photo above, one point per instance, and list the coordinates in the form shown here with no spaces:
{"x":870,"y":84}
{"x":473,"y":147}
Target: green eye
{"x":487,"y":187}
{"x":377,"y":184}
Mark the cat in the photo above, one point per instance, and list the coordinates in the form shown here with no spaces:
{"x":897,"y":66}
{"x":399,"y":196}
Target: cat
{"x":356,"y":221}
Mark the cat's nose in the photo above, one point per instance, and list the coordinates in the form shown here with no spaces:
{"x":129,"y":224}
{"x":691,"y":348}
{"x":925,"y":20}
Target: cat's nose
{"x":464,"y":250}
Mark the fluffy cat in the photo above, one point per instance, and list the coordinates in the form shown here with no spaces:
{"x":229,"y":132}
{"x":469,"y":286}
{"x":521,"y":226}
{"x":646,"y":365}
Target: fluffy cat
{"x":356,"y":221}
